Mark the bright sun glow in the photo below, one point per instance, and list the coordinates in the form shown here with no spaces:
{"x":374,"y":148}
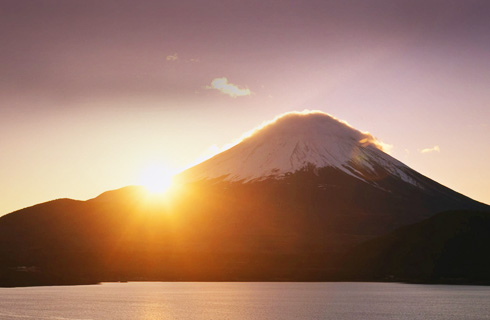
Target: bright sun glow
{"x":157,"y":179}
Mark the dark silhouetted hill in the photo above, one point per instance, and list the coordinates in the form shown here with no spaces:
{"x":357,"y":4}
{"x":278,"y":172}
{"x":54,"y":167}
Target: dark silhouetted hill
{"x":451,"y":247}
{"x":267,"y":230}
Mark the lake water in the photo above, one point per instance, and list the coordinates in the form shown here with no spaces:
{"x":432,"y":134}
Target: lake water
{"x":237,"y":301}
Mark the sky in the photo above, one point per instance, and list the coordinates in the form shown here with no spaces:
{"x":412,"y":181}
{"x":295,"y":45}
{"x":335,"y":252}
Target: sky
{"x":93,"y":94}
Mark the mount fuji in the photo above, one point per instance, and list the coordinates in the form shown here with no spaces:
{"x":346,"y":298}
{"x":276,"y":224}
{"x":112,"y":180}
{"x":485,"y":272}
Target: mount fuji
{"x":295,"y":141}
{"x":286,"y":203}
{"x":341,"y":172}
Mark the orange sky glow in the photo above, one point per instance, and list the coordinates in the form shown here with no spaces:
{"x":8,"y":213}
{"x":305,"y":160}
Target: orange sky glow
{"x":128,"y":91}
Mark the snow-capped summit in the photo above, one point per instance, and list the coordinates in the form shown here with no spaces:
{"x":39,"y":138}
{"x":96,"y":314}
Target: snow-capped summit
{"x":296,"y":140}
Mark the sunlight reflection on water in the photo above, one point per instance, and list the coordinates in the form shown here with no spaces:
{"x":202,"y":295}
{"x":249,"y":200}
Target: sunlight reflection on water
{"x":240,"y":301}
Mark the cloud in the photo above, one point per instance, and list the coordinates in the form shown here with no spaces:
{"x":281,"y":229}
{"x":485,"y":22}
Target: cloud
{"x":230,"y":89}
{"x":369,"y":139}
{"x":433,"y":149}
{"x":172,"y":57}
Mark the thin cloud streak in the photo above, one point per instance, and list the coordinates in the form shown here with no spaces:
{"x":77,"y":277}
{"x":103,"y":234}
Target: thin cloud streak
{"x":428,"y":150}
{"x":172,"y":57}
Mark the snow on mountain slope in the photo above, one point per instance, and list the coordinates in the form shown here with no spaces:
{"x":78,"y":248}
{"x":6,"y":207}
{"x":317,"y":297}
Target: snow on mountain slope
{"x":299,"y":139}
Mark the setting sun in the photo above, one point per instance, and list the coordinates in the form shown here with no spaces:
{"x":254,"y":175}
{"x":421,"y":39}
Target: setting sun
{"x":156,"y":179}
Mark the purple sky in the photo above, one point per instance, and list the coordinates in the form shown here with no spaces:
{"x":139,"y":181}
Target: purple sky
{"x":91,"y":92}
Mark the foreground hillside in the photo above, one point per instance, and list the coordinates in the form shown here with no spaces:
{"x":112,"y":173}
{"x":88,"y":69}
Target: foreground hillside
{"x":213,"y":234}
{"x":451,"y":247}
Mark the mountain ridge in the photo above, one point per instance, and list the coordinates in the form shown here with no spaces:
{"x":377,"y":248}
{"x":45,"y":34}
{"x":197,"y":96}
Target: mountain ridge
{"x":293,"y":225}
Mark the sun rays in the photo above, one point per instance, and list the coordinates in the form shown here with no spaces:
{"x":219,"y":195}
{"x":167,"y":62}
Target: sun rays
{"x":157,"y":179}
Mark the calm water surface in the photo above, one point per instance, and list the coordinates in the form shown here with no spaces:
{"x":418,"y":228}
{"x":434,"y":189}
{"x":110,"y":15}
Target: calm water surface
{"x":193,"y":300}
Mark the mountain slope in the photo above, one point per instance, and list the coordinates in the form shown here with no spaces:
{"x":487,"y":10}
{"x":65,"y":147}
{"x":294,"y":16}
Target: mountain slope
{"x":284,"y":204}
